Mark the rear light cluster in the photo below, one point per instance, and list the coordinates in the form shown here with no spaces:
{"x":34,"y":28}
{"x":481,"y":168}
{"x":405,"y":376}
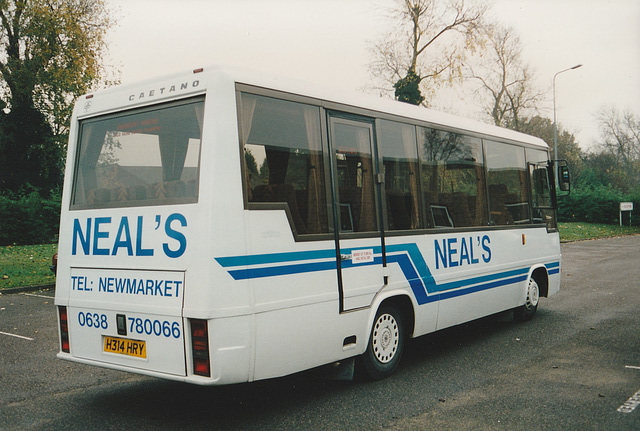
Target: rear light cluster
{"x":200,"y":347}
{"x":64,"y":329}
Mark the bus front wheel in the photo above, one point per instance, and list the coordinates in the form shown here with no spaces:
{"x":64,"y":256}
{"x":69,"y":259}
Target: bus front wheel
{"x":528,"y":309}
{"x":386,"y":343}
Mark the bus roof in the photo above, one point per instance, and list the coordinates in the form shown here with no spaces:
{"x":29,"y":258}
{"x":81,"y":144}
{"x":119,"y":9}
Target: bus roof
{"x":195,"y":82}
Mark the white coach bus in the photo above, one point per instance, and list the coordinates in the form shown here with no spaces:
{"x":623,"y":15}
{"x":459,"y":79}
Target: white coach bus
{"x":222,"y":226}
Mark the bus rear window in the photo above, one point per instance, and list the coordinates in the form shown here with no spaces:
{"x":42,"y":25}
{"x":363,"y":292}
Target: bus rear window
{"x":140,"y":157}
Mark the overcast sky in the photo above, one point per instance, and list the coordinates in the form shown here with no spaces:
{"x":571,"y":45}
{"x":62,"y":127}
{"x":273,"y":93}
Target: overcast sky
{"x":328,"y":41}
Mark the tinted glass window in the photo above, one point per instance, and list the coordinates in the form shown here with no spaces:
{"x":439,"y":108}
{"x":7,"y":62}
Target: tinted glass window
{"x":507,"y":181}
{"x":141,"y":157}
{"x":355,"y":175}
{"x":398,"y":149}
{"x":542,"y":211}
{"x":453,"y":184}
{"x":283,"y":157}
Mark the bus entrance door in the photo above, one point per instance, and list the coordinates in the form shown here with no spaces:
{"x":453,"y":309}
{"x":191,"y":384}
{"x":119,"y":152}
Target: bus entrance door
{"x":356,"y":199}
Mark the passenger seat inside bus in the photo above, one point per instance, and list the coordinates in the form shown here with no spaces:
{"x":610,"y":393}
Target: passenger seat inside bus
{"x":399,"y":208}
{"x":499,"y":196}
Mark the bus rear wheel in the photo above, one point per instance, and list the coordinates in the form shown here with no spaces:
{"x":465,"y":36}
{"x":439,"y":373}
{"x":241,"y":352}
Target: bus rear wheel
{"x":528,"y":309}
{"x":386,"y":343}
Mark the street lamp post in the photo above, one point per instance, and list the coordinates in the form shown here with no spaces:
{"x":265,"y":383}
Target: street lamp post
{"x":555,"y":126}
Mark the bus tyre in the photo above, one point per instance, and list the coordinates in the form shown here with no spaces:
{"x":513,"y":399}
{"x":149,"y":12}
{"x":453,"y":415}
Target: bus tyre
{"x":386,"y":344}
{"x":528,"y":309}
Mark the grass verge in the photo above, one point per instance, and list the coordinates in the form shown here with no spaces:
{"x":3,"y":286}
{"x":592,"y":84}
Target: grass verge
{"x":26,"y":265}
{"x":575,"y":231}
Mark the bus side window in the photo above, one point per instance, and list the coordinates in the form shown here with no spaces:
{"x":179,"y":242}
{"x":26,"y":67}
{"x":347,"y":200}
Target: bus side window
{"x":542,"y":207}
{"x":507,"y":180}
{"x":398,"y":149}
{"x":541,"y":195}
{"x":453,"y":181}
{"x":283,"y":159}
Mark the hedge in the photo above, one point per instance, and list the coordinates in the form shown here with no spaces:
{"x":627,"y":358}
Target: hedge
{"x":29,"y":219}
{"x":596,"y":205}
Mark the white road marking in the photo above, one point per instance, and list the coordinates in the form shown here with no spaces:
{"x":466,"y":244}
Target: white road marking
{"x":17,"y":336}
{"x":39,"y":296}
{"x":633,"y":367}
{"x":630,"y":404}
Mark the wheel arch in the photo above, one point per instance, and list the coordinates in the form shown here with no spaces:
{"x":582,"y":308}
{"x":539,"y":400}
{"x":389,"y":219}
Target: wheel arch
{"x":541,"y":276}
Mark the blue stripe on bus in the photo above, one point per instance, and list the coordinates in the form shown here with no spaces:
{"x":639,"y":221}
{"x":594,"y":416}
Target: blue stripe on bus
{"x":481,"y":287}
{"x":260,"y":259}
{"x":272,"y":271}
{"x":483,"y":279}
{"x":417,"y":283}
{"x":553,"y":268}
{"x":407,"y":256}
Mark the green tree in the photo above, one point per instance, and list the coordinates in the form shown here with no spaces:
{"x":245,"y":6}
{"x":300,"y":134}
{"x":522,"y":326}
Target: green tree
{"x":250,"y":161}
{"x":50,"y":52}
{"x":408,"y":89}
{"x":599,"y":171}
{"x":568,"y":148}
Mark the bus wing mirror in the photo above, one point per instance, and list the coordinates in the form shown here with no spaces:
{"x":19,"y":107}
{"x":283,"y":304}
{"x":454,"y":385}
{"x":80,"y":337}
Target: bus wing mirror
{"x":565,"y":183}
{"x":564,"y":179}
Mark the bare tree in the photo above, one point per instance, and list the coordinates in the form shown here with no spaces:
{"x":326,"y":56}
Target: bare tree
{"x":427,"y":46}
{"x":505,"y":81}
{"x":621,"y":138}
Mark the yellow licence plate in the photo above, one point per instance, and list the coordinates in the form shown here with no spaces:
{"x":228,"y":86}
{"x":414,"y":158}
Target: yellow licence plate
{"x":125,"y":346}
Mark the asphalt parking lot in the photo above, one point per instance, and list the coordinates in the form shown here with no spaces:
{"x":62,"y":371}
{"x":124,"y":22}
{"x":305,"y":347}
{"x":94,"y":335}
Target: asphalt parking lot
{"x":576,"y":365}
